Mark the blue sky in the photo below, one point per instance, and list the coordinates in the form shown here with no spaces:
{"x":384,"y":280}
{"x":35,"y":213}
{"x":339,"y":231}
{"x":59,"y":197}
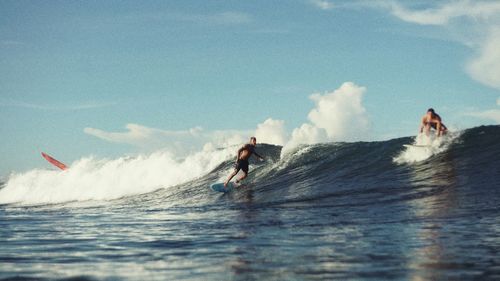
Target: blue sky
{"x":111,"y":78}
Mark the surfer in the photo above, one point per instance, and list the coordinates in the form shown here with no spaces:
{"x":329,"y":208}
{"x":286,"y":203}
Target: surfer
{"x":242,"y":160}
{"x":432,"y":120}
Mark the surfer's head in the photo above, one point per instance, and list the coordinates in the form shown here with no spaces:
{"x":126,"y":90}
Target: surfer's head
{"x":430,"y":112}
{"x":253,"y":140}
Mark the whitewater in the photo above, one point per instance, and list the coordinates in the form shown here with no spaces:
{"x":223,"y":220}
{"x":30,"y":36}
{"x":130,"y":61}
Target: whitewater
{"x":344,"y":210}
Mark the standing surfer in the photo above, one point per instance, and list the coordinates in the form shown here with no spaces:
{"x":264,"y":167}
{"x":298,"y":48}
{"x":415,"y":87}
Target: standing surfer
{"x":432,"y":120}
{"x":242,"y":160}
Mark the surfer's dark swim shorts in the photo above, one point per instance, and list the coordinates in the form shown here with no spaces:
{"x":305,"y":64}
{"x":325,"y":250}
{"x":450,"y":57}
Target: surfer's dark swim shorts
{"x":242,"y":164}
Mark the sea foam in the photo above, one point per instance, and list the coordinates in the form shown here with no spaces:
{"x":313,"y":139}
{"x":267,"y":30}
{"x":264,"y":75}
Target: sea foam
{"x":106,"y":179}
{"x":424,"y":147}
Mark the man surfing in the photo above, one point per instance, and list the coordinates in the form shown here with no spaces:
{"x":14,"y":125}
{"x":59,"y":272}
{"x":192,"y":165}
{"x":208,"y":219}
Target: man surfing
{"x":432,"y":120}
{"x":242,"y":157}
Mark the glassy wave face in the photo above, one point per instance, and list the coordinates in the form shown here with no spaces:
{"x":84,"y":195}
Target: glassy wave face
{"x":364,"y":210}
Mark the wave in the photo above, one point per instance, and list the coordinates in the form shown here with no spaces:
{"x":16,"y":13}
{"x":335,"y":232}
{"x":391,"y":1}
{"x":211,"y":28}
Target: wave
{"x":363,"y":172}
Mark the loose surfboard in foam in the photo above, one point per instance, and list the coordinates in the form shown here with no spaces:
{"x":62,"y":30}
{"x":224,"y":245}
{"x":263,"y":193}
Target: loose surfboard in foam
{"x":54,"y":161}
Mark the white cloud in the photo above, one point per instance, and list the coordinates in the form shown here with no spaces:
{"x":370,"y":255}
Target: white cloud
{"x":492,"y":114}
{"x":56,"y":107}
{"x":183,"y":142}
{"x":150,"y":139}
{"x":225,"y":138}
{"x":341,"y":113}
{"x":138,"y":135}
{"x":223,"y":18}
{"x":323,"y":4}
{"x":476,"y":10}
{"x":485,"y":67}
{"x":306,"y":134}
{"x":271,"y":132}
{"x":232,"y":18}
{"x":337,"y":116}
{"x":478,"y":26}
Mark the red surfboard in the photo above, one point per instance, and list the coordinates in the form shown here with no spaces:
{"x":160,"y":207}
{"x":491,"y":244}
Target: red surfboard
{"x":54,"y":161}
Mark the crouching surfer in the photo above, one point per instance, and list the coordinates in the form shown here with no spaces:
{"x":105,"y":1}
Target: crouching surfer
{"x":242,"y":157}
{"x":432,"y":120}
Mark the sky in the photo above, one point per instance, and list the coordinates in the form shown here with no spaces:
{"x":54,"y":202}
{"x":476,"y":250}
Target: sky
{"x":114,"y":78}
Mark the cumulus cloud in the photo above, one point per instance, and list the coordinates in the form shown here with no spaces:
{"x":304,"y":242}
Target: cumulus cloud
{"x":305,"y":134}
{"x":341,"y":113}
{"x":337,"y":116}
{"x":271,"y":131}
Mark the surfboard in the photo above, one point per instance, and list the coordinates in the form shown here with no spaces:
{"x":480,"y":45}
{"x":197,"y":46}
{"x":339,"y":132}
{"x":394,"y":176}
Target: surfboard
{"x":416,"y":145}
{"x":54,"y":161}
{"x":220,"y":187}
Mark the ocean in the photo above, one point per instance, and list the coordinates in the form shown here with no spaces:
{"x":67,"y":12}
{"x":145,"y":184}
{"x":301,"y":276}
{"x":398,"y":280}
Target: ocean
{"x":332,"y":211}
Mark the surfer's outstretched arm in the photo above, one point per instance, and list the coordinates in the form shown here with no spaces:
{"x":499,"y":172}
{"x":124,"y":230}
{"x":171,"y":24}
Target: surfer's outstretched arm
{"x":258,"y":155}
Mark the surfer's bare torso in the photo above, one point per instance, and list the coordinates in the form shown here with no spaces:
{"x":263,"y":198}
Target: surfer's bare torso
{"x":245,"y":152}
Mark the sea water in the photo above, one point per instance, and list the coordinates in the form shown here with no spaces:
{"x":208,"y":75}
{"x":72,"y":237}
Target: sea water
{"x":332,"y":211}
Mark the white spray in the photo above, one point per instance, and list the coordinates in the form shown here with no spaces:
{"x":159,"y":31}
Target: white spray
{"x":424,"y":147}
{"x":104,"y":179}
